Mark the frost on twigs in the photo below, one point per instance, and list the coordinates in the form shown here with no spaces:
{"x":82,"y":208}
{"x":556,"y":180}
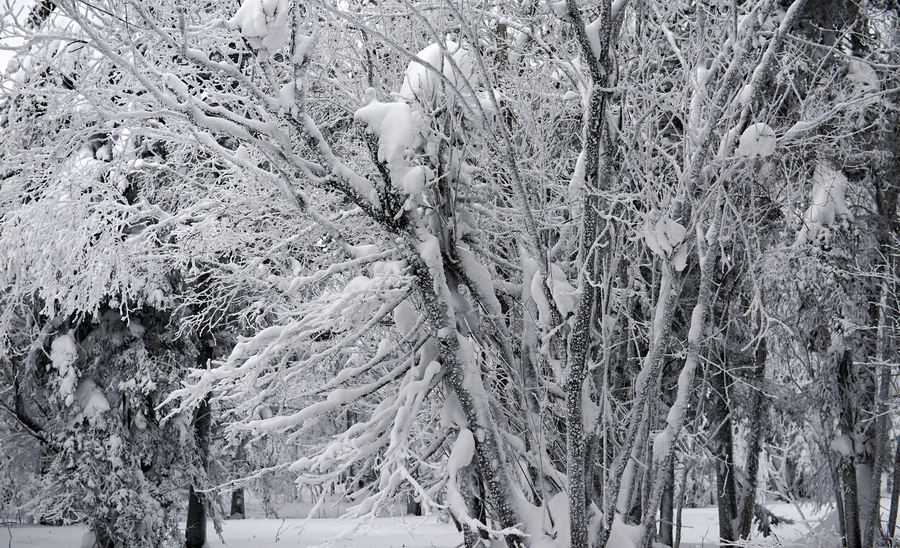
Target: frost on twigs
{"x":757,"y":140}
{"x":827,"y":205}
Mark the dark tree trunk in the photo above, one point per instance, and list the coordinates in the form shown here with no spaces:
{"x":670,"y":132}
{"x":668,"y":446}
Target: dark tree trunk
{"x":754,"y":443}
{"x":847,"y":463}
{"x":723,"y":454}
{"x":237,"y":504}
{"x":667,"y":506}
{"x":895,"y":494}
{"x":195,"y":534}
{"x":850,"y":494}
{"x":470,"y":488}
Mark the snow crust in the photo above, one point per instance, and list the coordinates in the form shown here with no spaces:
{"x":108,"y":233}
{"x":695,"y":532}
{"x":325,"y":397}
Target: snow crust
{"x":265,"y":24}
{"x":757,"y":140}
{"x":827,"y":204}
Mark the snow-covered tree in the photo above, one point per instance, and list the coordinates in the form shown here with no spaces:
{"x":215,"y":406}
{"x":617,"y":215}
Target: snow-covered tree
{"x":492,"y":238}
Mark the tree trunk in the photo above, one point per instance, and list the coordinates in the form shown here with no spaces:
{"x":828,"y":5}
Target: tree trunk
{"x":754,"y":442}
{"x":667,"y":507}
{"x":237,"y":504}
{"x":723,"y":455}
{"x":895,"y":494}
{"x":195,"y":533}
{"x":464,"y":378}
{"x":469,"y":487}
{"x":847,"y":463}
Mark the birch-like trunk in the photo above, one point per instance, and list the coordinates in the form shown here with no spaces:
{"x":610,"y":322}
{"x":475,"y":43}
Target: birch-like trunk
{"x":598,"y":175}
{"x":664,"y":443}
{"x":465,"y":380}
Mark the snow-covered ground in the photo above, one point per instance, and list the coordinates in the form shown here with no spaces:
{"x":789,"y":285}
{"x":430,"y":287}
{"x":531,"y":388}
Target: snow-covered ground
{"x":700,"y":529}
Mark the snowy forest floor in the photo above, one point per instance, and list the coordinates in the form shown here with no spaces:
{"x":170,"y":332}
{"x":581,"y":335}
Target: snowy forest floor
{"x":699,"y":530}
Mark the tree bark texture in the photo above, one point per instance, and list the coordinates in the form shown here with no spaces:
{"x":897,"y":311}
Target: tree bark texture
{"x":195,"y":533}
{"x":847,"y":463}
{"x":667,"y":507}
{"x":895,"y":494}
{"x":465,"y":380}
{"x":754,"y":441}
{"x":723,"y":455}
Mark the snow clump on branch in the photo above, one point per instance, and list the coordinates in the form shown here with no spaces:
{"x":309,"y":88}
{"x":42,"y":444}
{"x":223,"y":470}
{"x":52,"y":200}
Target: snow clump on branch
{"x":757,"y":140}
{"x":421,"y":82}
{"x":827,"y":205}
{"x":263,"y":23}
{"x":63,"y":353}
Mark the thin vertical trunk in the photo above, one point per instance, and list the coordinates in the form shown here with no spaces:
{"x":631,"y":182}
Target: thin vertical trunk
{"x":667,"y":506}
{"x":195,"y":533}
{"x":723,"y":455}
{"x":895,"y":494}
{"x":664,"y":443}
{"x":754,"y":442}
{"x":598,"y":175}
{"x":847,"y":463}
{"x":237,"y":510}
{"x":873,"y":521}
{"x":576,"y":443}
